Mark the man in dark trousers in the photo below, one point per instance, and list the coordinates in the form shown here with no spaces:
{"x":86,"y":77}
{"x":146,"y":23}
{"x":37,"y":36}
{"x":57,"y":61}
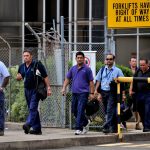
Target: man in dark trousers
{"x":134,"y":68}
{"x":104,"y":81}
{"x":26,"y":72}
{"x":82,"y":87}
{"x":142,"y":91}
{"x":4,"y":79}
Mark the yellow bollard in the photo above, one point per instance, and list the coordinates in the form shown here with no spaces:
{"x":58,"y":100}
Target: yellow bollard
{"x":118,"y":110}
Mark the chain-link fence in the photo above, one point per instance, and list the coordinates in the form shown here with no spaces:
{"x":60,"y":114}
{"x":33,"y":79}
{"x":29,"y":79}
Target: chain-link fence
{"x":55,"y":111}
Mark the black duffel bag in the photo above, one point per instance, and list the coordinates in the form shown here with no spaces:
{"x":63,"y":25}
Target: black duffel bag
{"x":92,"y":107}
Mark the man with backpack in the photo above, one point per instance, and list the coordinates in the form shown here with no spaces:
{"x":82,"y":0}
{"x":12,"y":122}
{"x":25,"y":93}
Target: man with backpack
{"x":105,"y":83}
{"x":27,"y":71}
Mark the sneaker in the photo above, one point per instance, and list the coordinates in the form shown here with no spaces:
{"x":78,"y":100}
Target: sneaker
{"x":86,"y":129}
{"x":123,"y":128}
{"x":78,"y":132}
{"x":1,"y":132}
{"x":26,"y":128}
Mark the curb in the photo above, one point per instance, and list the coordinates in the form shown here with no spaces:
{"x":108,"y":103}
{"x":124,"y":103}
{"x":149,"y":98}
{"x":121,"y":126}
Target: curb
{"x":58,"y":143}
{"x":62,"y":138}
{"x":69,"y":142}
{"x":136,"y":137}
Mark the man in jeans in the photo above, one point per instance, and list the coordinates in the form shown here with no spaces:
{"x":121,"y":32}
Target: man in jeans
{"x":109,"y":97}
{"x":82,"y":86}
{"x":4,"y":79}
{"x":26,"y":72}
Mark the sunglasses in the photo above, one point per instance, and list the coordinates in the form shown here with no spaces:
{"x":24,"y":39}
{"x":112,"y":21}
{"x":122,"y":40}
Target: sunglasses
{"x":109,"y":58}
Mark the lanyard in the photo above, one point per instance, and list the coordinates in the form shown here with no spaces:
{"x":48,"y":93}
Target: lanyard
{"x":108,"y":74}
{"x":26,"y":70}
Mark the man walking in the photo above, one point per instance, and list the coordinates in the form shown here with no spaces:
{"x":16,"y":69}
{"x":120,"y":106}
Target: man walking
{"x":82,"y":85}
{"x":142,"y":91}
{"x":4,"y":79}
{"x":105,"y":78}
{"x":26,"y":72}
{"x":133,"y":67}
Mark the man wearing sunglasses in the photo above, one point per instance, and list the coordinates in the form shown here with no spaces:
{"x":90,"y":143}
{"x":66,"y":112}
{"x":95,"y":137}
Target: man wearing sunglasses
{"x":104,"y":80}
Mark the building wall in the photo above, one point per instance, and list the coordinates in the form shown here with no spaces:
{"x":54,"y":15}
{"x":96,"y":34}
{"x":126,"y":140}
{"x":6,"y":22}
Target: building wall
{"x":126,"y":47}
{"x":10,"y":10}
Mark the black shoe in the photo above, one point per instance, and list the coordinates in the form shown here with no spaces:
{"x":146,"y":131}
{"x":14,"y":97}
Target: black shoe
{"x":146,"y":130}
{"x":1,"y":132}
{"x":105,"y":130}
{"x":26,"y":128}
{"x":113,"y":131}
{"x":36,"y":132}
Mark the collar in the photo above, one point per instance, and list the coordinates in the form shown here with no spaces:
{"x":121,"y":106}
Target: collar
{"x":112,"y":68}
{"x":83,"y":66}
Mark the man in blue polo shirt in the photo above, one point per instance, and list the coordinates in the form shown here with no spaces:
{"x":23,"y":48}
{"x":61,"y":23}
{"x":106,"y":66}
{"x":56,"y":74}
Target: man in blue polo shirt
{"x":109,"y":97}
{"x":82,"y":85}
{"x":26,"y":72}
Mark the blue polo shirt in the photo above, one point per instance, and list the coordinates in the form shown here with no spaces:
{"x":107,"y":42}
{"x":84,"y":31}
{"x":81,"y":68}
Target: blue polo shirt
{"x":28,"y":74}
{"x":81,"y":78}
{"x":108,"y":75}
{"x":3,"y":72}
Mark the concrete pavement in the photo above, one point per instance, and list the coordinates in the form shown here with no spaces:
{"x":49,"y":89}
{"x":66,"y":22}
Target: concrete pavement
{"x":52,"y":138}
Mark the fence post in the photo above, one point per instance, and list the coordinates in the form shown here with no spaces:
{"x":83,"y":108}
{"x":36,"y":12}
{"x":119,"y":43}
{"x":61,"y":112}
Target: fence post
{"x":63,"y":70}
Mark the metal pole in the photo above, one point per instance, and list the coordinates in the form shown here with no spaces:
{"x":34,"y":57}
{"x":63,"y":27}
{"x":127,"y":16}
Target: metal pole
{"x":112,"y":42}
{"x":70,"y":28}
{"x":38,"y":39}
{"x":105,"y":34}
{"x":62,"y":47}
{"x":44,"y":41}
{"x":54,"y":29}
{"x":90,"y":25}
{"x":58,"y":16}
{"x":75,"y":25}
{"x":137,"y":47}
{"x":23,"y":18}
{"x":63,"y":70}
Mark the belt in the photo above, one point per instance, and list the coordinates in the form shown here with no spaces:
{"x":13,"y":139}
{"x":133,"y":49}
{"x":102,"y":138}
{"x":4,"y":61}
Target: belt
{"x":105,"y":91}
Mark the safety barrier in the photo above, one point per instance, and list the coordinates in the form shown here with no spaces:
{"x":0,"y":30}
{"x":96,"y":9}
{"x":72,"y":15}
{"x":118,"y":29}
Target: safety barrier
{"x":129,"y":80}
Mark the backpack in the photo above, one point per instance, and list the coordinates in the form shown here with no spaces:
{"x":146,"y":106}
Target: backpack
{"x":41,"y":89}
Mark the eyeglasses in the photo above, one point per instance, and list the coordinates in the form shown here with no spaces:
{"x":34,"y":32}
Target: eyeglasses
{"x":109,"y":58}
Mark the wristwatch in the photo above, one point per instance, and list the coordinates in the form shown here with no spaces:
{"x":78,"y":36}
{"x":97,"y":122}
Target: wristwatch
{"x":1,"y":88}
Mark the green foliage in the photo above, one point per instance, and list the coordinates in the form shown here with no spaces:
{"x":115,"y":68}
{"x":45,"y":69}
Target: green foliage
{"x":15,"y":98}
{"x":99,"y":64}
{"x":126,"y":71}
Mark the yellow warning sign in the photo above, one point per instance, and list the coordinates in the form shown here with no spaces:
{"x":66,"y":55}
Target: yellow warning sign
{"x":128,"y":13}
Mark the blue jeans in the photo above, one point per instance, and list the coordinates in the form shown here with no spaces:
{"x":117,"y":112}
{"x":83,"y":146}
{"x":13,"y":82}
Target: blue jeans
{"x":143,"y":107}
{"x":79,"y":101}
{"x":110,"y":107}
{"x":33,"y":118}
{"x":2,"y":110}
